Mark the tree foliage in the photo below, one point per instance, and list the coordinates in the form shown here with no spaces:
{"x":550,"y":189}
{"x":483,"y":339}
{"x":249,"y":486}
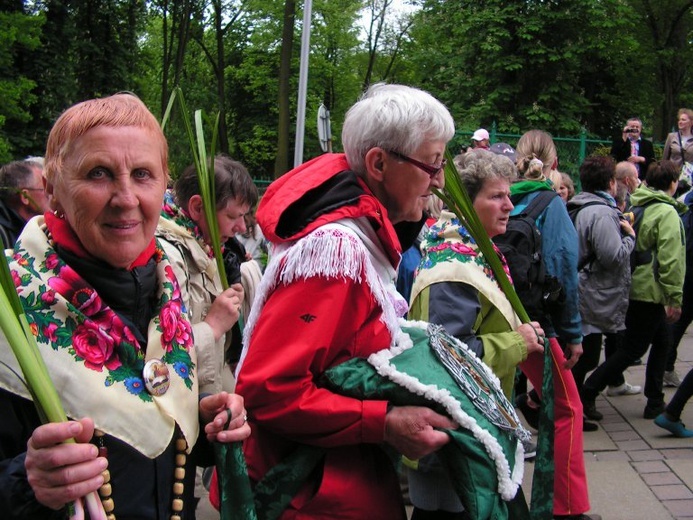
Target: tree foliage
{"x":559,"y":65}
{"x":19,"y":36}
{"x":521,"y":63}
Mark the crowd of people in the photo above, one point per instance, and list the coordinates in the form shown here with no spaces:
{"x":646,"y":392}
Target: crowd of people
{"x":299,"y":347}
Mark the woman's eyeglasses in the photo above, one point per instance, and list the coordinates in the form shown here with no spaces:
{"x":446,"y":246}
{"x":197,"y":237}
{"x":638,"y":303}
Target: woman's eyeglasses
{"x":431,"y":169}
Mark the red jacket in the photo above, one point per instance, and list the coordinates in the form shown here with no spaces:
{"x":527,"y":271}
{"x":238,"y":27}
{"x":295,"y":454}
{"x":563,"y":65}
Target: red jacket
{"x":307,"y":325}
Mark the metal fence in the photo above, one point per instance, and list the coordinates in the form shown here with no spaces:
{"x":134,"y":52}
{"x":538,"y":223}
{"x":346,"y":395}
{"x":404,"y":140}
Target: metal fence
{"x":571,"y":150}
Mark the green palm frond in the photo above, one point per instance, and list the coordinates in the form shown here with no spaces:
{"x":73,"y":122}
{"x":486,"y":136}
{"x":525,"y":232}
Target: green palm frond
{"x":204,"y":165}
{"x":455,"y":196}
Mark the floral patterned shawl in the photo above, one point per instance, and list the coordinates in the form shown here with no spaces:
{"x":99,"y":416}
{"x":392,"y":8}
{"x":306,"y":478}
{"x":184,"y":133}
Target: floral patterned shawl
{"x":451,"y":254}
{"x":94,"y":359}
{"x":171,"y":212}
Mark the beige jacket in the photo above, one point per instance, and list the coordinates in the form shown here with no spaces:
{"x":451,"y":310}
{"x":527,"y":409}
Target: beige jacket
{"x":199,"y":282}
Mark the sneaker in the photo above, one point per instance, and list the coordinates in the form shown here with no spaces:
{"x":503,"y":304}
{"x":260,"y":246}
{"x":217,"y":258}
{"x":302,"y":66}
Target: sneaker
{"x":652,"y":410}
{"x":624,"y":389}
{"x":676,"y":427}
{"x":582,"y":516}
{"x":531,"y":414}
{"x":530,"y":449}
{"x":591,"y":412}
{"x":589,"y":426}
{"x":671,"y":379}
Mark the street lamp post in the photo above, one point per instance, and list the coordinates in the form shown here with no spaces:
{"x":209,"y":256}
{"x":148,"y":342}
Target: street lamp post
{"x":303,"y":83}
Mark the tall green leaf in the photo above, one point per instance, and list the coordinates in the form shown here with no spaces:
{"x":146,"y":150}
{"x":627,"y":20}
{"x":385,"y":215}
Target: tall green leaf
{"x":204,"y":165}
{"x":455,"y":196}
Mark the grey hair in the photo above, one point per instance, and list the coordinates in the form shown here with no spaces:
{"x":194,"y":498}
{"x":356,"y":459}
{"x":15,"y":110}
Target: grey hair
{"x":395,"y":118}
{"x":34,"y":159}
{"x":481,"y":166}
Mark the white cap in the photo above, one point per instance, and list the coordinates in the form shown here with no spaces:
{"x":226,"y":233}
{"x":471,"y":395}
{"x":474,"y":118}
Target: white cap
{"x":480,"y":135}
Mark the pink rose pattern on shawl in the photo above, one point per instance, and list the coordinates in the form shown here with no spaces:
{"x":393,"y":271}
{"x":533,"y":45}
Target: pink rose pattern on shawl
{"x":93,"y":333}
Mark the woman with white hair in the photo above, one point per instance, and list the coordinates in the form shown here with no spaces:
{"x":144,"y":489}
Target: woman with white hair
{"x":338,"y":225}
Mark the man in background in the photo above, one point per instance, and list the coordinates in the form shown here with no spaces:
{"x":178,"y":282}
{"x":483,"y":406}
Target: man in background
{"x":21,"y":197}
{"x":480,"y":139}
{"x":633,"y":148}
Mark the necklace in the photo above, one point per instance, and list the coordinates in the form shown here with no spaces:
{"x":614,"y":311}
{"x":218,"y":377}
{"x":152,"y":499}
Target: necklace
{"x":177,"y":503}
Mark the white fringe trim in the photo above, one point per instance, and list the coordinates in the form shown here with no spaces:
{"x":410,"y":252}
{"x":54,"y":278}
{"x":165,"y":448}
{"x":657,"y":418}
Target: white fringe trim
{"x":508,"y":482}
{"x":331,"y":251}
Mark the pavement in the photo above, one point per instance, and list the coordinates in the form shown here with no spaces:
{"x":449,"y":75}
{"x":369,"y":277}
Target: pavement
{"x":635,"y":470}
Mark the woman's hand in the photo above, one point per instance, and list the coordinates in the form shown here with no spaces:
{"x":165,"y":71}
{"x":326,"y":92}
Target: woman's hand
{"x":533,"y":336}
{"x":225,"y":417}
{"x":672,"y":314}
{"x":572,"y":354}
{"x":61,"y":473}
{"x":412,"y":430}
{"x":225,"y":310}
{"x":626,"y":228}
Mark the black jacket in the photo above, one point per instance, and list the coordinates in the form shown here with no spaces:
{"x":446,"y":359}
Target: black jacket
{"x":620,"y":151}
{"x":11,"y":225}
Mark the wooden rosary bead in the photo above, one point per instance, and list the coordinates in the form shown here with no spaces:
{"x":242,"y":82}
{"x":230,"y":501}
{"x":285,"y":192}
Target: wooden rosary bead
{"x":108,"y":505}
{"x":105,"y":491}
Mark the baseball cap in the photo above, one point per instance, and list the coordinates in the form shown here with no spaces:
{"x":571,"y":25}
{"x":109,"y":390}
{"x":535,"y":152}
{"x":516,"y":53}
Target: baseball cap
{"x":504,"y":149}
{"x":480,"y":135}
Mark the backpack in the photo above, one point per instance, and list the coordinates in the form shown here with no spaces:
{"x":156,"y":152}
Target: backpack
{"x":521,"y":246}
{"x":573,"y":213}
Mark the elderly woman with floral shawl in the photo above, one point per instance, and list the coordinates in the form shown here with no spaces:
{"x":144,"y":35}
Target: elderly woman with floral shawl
{"x":106,"y":309}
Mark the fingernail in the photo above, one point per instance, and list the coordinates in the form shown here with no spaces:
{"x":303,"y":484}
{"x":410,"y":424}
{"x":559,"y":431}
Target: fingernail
{"x":74,"y":428}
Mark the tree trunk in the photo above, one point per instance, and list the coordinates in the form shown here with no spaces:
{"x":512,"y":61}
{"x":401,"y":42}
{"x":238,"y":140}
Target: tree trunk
{"x":223,"y":144}
{"x":282,"y":164}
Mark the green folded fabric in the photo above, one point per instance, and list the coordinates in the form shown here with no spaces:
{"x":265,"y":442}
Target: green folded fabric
{"x":428,"y":367}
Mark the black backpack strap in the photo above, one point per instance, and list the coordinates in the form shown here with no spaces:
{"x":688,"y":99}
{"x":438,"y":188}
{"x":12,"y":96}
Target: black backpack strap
{"x":640,"y":257}
{"x":639,"y":211}
{"x":538,"y":204}
{"x":574,"y":210}
{"x":573,"y":213}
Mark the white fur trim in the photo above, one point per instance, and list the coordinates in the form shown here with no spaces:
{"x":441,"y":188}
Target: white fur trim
{"x":508,"y":482}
